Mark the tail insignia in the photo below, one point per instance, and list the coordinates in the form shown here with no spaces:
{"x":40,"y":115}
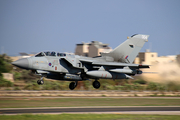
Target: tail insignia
{"x":126,"y":57}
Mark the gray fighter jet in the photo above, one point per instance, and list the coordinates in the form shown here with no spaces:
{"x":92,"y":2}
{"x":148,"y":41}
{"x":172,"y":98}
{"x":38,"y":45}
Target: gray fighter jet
{"x":117,"y":64}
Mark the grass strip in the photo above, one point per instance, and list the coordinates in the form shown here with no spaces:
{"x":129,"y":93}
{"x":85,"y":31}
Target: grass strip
{"x":78,"y":102}
{"x":89,"y":117}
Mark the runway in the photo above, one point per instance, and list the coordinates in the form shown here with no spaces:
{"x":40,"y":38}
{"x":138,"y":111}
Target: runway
{"x":100,"y":109}
{"x":86,"y":97}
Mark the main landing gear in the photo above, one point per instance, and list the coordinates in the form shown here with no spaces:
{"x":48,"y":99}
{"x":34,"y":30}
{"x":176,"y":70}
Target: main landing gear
{"x":72,"y":85}
{"x":40,"y":82}
{"x":96,"y":84}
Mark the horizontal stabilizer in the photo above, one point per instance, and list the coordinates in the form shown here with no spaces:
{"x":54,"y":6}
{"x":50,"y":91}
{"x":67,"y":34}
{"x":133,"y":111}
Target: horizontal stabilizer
{"x":144,"y":66}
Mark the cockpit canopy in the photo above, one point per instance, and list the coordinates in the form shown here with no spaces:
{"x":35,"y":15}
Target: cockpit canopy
{"x":48,"y":53}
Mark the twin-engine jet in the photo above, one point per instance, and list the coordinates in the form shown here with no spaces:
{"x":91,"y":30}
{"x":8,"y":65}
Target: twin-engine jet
{"x":117,"y":64}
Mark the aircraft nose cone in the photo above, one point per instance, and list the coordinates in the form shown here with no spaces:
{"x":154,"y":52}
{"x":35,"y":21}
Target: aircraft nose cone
{"x":22,"y":63}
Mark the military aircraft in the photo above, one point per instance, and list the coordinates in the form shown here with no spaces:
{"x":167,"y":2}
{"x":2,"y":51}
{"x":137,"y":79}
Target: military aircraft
{"x":117,"y":64}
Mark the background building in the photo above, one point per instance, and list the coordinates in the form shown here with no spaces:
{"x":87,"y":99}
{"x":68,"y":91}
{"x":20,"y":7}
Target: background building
{"x":166,"y":68}
{"x":152,"y":58}
{"x":92,"y":49}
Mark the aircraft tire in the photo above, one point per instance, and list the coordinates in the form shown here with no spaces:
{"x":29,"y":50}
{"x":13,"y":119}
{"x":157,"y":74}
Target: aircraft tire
{"x":40,"y":82}
{"x":96,"y":84}
{"x":72,"y":85}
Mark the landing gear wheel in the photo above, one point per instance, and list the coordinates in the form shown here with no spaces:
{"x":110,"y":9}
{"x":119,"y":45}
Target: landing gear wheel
{"x":96,"y":84}
{"x":72,"y":85}
{"x":40,"y":82}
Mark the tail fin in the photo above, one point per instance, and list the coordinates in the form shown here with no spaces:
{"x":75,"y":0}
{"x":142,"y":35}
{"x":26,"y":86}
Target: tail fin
{"x":128,"y":50}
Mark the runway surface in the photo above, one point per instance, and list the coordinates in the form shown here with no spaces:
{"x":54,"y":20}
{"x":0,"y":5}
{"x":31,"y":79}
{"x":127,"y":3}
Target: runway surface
{"x":86,"y":97}
{"x":100,"y":109}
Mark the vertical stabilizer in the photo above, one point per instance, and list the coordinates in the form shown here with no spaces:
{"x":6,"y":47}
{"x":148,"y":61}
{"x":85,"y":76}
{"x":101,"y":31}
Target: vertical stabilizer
{"x":128,"y":50}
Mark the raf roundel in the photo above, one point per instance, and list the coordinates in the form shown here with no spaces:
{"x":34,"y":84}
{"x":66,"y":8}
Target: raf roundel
{"x":49,"y":64}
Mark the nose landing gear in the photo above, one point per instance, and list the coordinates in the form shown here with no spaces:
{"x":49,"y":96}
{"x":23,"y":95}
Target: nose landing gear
{"x":40,"y":82}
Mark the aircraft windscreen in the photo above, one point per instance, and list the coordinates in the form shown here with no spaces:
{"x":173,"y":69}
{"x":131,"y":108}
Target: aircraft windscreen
{"x":40,"y":54}
{"x":48,"y":53}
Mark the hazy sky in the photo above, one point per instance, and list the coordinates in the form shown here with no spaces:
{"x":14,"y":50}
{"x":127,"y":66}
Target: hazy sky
{"x":38,"y":25}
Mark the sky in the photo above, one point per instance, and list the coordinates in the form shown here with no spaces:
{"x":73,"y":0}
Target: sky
{"x":32,"y":26}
